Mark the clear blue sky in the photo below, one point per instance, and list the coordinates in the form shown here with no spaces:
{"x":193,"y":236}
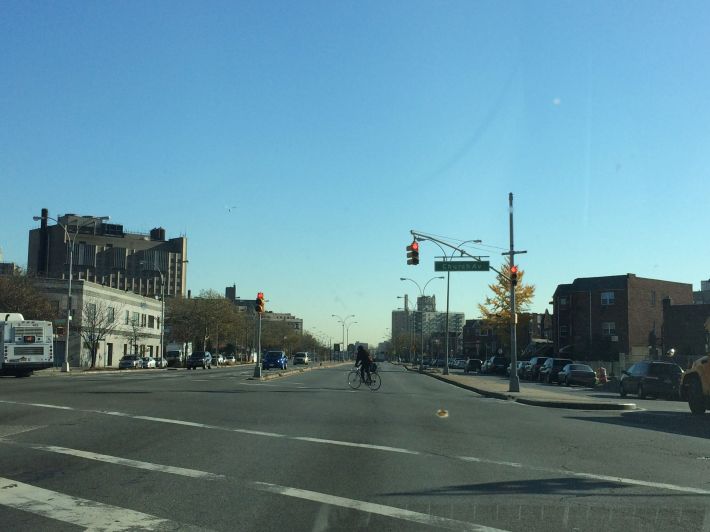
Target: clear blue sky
{"x":333,"y":128}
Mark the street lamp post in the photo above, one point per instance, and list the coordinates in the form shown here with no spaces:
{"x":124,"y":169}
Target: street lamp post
{"x":162,"y":309}
{"x":65,"y":368}
{"x":421,"y":314}
{"x":342,"y":321}
{"x":347,"y":334}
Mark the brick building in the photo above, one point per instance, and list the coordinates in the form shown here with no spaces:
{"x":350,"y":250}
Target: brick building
{"x":617,"y":317}
{"x":686,"y":330}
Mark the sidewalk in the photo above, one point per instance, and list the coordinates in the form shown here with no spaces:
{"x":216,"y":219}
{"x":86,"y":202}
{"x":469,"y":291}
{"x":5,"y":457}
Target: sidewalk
{"x":528,"y":395}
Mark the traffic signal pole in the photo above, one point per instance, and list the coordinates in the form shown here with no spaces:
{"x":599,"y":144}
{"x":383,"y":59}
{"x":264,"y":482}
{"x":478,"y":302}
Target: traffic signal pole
{"x":514,"y":383}
{"x":257,"y":368}
{"x":259,"y":307}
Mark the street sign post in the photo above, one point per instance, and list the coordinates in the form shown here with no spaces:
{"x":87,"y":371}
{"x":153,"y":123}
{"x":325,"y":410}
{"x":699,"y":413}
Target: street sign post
{"x":461,"y":266}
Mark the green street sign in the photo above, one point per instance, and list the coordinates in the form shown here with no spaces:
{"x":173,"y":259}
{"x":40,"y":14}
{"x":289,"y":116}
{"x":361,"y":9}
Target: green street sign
{"x":461,"y":266}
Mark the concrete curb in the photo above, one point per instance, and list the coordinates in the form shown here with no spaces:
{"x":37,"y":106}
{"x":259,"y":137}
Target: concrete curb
{"x":508,"y":396}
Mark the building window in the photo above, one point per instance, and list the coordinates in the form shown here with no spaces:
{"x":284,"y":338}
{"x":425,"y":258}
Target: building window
{"x":608,"y":328}
{"x":564,"y":331}
{"x":151,"y":322}
{"x":135,"y":319}
{"x":128,"y":318}
{"x":564,"y":301}
{"x":111,"y":316}
{"x":144,"y":321}
{"x":607,"y":298}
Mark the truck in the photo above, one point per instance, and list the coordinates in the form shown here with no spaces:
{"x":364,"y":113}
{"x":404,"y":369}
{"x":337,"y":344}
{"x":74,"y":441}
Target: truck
{"x":177,"y":353}
{"x":25,"y":345}
{"x":695,"y":386}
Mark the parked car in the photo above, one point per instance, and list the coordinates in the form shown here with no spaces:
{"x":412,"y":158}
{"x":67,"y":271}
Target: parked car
{"x":495,"y":365}
{"x":200,"y":359}
{"x":230,"y":360}
{"x":577,"y":374}
{"x":473,"y":364}
{"x":551,"y":368}
{"x":274,"y":359}
{"x":161,"y":363}
{"x":148,"y":363}
{"x":532,"y":370}
{"x":522,"y":367}
{"x":301,"y":358}
{"x":652,"y":379}
{"x":218,"y":359}
{"x":130,"y":362}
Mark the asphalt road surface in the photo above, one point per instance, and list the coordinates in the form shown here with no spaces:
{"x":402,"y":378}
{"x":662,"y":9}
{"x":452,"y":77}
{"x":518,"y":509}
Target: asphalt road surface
{"x":213,"y":450}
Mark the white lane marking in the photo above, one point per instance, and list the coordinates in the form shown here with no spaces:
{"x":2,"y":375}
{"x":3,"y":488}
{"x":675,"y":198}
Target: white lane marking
{"x":117,"y":460}
{"x":82,"y":512}
{"x":592,"y":476}
{"x":619,"y":480}
{"x":352,"y":444}
{"x":373,"y":508}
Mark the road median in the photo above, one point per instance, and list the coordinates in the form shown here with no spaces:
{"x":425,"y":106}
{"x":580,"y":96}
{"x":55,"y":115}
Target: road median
{"x":498,"y":389}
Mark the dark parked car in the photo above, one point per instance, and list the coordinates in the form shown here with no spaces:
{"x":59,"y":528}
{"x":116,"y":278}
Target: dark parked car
{"x":496,"y":365}
{"x":130,"y":362}
{"x":200,"y":359}
{"x":473,"y":364}
{"x":551,"y":368}
{"x":577,"y":374}
{"x":274,"y":359}
{"x":532,"y":370}
{"x":652,"y":379}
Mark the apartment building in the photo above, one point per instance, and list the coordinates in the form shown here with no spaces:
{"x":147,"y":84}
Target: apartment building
{"x":107,"y":254}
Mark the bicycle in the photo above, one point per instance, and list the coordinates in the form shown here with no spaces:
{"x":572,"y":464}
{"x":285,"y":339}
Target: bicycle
{"x":355,"y":379}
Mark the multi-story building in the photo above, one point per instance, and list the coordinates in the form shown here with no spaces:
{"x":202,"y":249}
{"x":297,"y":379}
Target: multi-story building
{"x":702,"y":296}
{"x":136,"y":318}
{"x":686,"y":331}
{"x":617,"y":317}
{"x":108,"y":255}
{"x":483,"y":339}
{"x":408,"y":327}
{"x":248,"y":306}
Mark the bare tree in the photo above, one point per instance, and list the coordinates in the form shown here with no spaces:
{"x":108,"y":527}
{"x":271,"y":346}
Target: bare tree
{"x":134,"y":334}
{"x":18,"y":294}
{"x":98,"y":320}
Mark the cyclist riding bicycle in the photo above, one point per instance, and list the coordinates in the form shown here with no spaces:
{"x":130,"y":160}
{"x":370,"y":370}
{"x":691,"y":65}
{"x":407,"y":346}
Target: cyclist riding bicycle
{"x":364,"y":361}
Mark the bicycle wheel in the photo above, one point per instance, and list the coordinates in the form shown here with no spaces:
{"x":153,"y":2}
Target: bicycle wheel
{"x":354,"y":380}
{"x":375,"y":381}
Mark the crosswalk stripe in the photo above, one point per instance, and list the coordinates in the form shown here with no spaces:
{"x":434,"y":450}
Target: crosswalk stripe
{"x":92,"y":515}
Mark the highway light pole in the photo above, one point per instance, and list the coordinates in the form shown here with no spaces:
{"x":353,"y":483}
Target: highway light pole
{"x":342,"y":321}
{"x":71,"y":241}
{"x":347,"y":335}
{"x":421,"y":314}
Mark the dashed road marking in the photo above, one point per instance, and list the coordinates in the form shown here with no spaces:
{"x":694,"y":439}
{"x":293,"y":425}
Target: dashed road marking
{"x":373,"y":508}
{"x":615,"y":479}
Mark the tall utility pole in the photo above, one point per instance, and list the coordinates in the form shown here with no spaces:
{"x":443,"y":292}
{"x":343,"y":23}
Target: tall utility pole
{"x":514,"y":385}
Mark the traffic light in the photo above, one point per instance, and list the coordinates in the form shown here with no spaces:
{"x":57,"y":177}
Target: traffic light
{"x":259,"y":303}
{"x":514,"y":275}
{"x":413,"y":253}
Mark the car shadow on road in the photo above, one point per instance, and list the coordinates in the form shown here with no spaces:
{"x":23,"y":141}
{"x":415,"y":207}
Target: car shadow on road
{"x":682,"y":423}
{"x":544,"y":486}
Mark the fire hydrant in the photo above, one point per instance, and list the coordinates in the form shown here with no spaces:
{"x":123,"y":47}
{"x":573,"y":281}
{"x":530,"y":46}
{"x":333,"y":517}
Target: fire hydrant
{"x":601,"y":376}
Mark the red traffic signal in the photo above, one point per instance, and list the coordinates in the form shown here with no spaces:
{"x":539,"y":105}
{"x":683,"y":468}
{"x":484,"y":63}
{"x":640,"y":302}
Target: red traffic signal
{"x":514,"y":275}
{"x":413,"y":253}
{"x":259,"y":303}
